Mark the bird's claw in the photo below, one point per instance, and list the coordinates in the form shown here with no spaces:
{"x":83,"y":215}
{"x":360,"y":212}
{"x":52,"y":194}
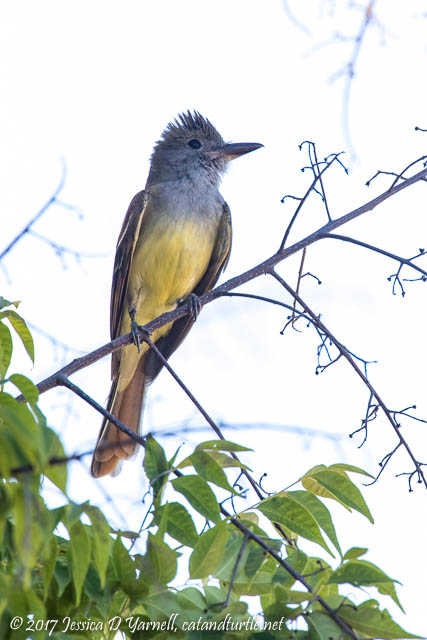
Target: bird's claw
{"x":194,"y":306}
{"x":136,"y":330}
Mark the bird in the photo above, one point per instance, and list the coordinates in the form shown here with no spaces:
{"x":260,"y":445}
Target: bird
{"x":174,"y":243}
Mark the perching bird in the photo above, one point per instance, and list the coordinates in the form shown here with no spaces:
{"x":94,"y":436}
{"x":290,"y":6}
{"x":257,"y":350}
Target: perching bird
{"x":174,"y":242}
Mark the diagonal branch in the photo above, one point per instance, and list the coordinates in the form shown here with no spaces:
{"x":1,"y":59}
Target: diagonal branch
{"x":350,"y":359}
{"x":261,"y":269}
{"x":289,"y":568}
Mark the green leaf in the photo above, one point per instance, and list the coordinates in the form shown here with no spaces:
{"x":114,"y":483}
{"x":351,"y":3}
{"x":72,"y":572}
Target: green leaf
{"x":256,"y":557}
{"x":18,"y":323}
{"x":172,"y":460}
{"x":57,"y":473}
{"x":337,"y":485}
{"x":214,"y":595}
{"x":209,"y":469}
{"x":362,"y":573}
{"x":222,"y":445}
{"x":322,"y":627}
{"x":341,"y":466}
{"x":7,"y":303}
{"x":284,"y":509}
{"x":388,"y":589}
{"x":191,"y":598}
{"x":180,"y":524}
{"x":161,"y":605}
{"x":298,"y":560}
{"x":155,"y":465}
{"x":35,"y":605}
{"x":5,"y":581}
{"x":62,"y":574}
{"x":32,"y":525}
{"x":374,"y":623}
{"x":72,"y":514}
{"x":124,"y":565}
{"x":261,"y":582}
{"x":354,"y":552}
{"x":21,"y":432}
{"x":163,"y":559}
{"x":80,"y":546}
{"x":199,"y":495}
{"x":26,"y":387}
{"x":233,"y":553}
{"x":275,"y":613}
{"x":6,"y":347}
{"x":48,"y":565}
{"x":290,"y":596}
{"x":208,"y":551}
{"x":101,"y":540}
{"x":358,"y":573}
{"x":320,"y":513}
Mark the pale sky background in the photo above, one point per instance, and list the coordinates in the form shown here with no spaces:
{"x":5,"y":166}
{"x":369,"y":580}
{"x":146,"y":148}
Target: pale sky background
{"x":95,"y":83}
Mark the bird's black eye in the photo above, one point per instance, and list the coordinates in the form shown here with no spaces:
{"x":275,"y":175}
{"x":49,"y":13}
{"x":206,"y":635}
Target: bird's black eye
{"x":194,"y":143}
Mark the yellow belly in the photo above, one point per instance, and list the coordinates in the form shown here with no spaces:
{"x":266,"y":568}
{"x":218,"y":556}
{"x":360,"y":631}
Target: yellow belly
{"x":169,"y":260}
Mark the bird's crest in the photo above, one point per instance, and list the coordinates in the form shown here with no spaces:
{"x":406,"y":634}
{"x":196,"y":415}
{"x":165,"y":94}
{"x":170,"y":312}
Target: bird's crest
{"x":193,"y":122}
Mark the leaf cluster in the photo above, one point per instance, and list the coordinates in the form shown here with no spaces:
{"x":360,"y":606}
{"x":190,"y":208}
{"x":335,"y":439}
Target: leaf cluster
{"x":67,"y":565}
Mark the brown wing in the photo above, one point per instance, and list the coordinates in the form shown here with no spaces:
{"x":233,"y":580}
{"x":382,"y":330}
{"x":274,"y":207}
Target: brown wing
{"x":219,"y":259}
{"x":124,"y":253}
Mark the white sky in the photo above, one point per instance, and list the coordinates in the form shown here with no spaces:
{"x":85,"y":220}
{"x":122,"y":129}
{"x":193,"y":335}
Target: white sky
{"x":95,"y":83}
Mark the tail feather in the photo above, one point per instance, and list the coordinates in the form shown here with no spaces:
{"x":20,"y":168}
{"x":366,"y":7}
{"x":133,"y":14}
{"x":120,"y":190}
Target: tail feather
{"x":113,"y":445}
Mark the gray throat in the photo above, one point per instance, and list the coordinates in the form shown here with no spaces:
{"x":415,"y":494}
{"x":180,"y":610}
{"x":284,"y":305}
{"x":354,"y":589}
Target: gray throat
{"x":187,"y":197}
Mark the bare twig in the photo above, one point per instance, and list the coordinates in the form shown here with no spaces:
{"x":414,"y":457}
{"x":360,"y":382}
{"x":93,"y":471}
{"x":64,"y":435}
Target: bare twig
{"x":315,"y":168}
{"x":403,"y":261}
{"x":334,"y":158}
{"x":351,"y":360}
{"x":397,"y":176}
{"x":52,"y":200}
{"x":350,"y":70}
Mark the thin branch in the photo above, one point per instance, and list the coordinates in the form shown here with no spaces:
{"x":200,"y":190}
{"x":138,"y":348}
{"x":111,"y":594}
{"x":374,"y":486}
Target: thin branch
{"x":260,"y":269}
{"x":316,"y":178}
{"x":63,"y":381}
{"x":252,"y":296}
{"x":350,"y":359}
{"x":397,"y":176}
{"x":315,"y":168}
{"x":197,"y":404}
{"x":226,"y":602}
{"x":301,"y":267}
{"x":289,"y":568}
{"x":52,"y":200}
{"x":350,"y":70}
{"x":393,"y":256}
{"x":61,"y":249}
{"x":294,"y":20}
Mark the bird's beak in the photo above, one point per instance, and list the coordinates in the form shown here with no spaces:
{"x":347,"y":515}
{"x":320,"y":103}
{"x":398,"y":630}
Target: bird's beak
{"x":234,"y":150}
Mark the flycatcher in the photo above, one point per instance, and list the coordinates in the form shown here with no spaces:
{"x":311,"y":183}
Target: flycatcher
{"x":174,"y":243}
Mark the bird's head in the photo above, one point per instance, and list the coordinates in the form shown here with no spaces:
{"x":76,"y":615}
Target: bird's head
{"x":191,"y":148}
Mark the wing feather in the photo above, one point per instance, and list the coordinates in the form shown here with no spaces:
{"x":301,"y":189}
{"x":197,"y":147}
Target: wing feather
{"x":124,"y":253}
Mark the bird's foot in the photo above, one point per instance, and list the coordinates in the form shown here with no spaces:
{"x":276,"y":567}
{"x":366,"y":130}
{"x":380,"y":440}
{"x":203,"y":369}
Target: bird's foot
{"x":194,"y":306}
{"x":136,"y":330}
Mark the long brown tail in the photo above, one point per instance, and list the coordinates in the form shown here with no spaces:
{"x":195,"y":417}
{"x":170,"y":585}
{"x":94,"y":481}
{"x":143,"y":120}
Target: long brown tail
{"x":113,"y":445}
